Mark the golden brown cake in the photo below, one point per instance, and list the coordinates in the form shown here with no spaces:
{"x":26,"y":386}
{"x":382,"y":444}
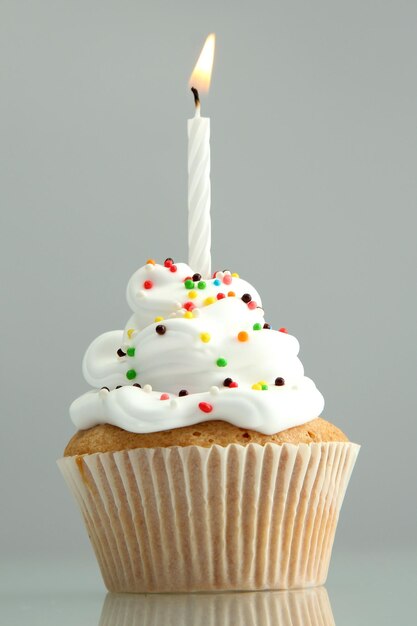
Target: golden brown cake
{"x":107,"y":438}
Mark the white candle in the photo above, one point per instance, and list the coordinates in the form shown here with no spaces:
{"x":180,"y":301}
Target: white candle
{"x":199,"y":188}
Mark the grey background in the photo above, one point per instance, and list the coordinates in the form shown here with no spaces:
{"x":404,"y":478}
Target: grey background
{"x":313,"y":112}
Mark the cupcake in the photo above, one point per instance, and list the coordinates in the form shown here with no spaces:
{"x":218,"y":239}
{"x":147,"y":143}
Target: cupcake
{"x":200,"y":462}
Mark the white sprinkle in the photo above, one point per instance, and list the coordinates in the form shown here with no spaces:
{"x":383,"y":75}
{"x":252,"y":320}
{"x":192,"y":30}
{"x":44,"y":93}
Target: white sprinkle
{"x":178,"y":305}
{"x":214,"y":390}
{"x":174,"y":403}
{"x":196,"y":312}
{"x":147,"y":388}
{"x":103,"y":392}
{"x":141,"y":294}
{"x":150,"y":266}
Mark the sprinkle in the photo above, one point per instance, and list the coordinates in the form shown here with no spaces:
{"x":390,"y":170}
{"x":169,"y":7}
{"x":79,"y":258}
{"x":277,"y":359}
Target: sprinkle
{"x":267,"y":326}
{"x":173,"y":268}
{"x":227,"y":382}
{"x":120,"y":352}
{"x":252,"y":305}
{"x":257,"y":386}
{"x":265,"y":387}
{"x":174,"y":403}
{"x":137,"y":385}
{"x":279,"y":381}
{"x":130,"y":332}
{"x":196,"y":312}
{"x":257,"y":326}
{"x":188,"y":315}
{"x":131,"y":374}
{"x":201,"y":284}
{"x":208,"y":301}
{"x":147,"y":388}
{"x":217,"y":282}
{"x":188,"y":306}
{"x":231,"y":294}
{"x":283,"y":330}
{"x":119,"y":387}
{"x":189,"y":284}
{"x":205,"y":407}
{"x":148,"y":284}
{"x":131,"y":351}
{"x":214,"y":390}
{"x":168,"y":262}
{"x":235,"y":275}
{"x":196,"y":277}
{"x":246,"y":297}
{"x":164,"y":396}
{"x":150,"y":262}
{"x":221,"y":362}
{"x":192,"y":294}
{"x":183,"y":392}
{"x":161,"y":329}
{"x":158,"y":319}
{"x":227,"y":279}
{"x":220,"y":296}
{"x":205,"y":337}
{"x":233,"y":385}
{"x":104,"y":389}
{"x":243,"y":336}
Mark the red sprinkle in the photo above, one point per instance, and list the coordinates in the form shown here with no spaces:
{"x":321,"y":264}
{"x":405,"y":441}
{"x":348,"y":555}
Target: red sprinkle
{"x":220,"y":296}
{"x":282,"y":330}
{"x":227,"y":279}
{"x":233,"y":384}
{"x":252,"y":305}
{"x":205,"y":407}
{"x":164,"y":396}
{"x":189,"y":306}
{"x":173,"y":268}
{"x":148,"y":284}
{"x":168,"y":262}
{"x":187,"y":278}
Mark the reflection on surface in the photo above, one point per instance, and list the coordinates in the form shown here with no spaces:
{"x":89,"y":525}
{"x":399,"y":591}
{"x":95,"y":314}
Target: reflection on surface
{"x":308,"y":607}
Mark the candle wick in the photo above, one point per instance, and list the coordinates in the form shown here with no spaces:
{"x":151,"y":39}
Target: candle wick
{"x":196,"y":101}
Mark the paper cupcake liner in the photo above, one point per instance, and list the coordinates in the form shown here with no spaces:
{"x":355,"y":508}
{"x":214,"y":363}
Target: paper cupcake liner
{"x":205,"y":519}
{"x":309,"y":607}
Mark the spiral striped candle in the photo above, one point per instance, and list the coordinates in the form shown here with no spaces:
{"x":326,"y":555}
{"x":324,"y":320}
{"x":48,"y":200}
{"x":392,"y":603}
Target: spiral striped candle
{"x":199,"y":193}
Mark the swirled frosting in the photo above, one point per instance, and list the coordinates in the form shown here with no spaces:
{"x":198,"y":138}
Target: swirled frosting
{"x":194,"y":349}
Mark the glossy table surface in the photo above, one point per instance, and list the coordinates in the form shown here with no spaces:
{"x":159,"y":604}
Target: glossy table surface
{"x":362,"y":589}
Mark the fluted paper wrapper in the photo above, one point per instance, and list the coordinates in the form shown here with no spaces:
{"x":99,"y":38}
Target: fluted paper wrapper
{"x":308,"y":607}
{"x":206,"y":519}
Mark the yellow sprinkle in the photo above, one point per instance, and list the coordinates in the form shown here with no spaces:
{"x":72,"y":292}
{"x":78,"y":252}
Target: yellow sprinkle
{"x":257,"y":386}
{"x":235,"y":275}
{"x":262,"y":382}
{"x":158,"y":319}
{"x":189,"y":315}
{"x":192,"y":294}
{"x":130,"y":332}
{"x":209,"y":300}
{"x":205,"y":337}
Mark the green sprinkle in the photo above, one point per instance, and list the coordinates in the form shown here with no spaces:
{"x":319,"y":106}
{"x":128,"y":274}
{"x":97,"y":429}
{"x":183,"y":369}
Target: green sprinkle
{"x":130,"y":351}
{"x":189,"y":284}
{"x":130,"y":374}
{"x":221,"y":362}
{"x":201,"y":284}
{"x":257,"y":327}
{"x":264,"y":387}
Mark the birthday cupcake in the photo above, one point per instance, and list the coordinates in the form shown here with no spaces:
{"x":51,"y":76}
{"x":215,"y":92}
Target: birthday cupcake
{"x":200,"y":461}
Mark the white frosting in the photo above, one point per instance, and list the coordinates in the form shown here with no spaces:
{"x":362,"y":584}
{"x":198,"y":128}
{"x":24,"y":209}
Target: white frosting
{"x":186,"y":356}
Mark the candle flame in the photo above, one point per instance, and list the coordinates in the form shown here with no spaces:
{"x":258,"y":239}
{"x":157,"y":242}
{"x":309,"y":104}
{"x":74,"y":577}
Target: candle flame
{"x":201,"y":76}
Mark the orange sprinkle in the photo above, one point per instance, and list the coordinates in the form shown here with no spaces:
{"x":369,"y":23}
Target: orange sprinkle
{"x":231,"y":294}
{"x":243,"y":336}
{"x":151,"y":261}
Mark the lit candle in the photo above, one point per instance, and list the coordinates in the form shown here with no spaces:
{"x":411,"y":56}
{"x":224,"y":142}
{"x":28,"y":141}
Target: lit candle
{"x":199,"y":189}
